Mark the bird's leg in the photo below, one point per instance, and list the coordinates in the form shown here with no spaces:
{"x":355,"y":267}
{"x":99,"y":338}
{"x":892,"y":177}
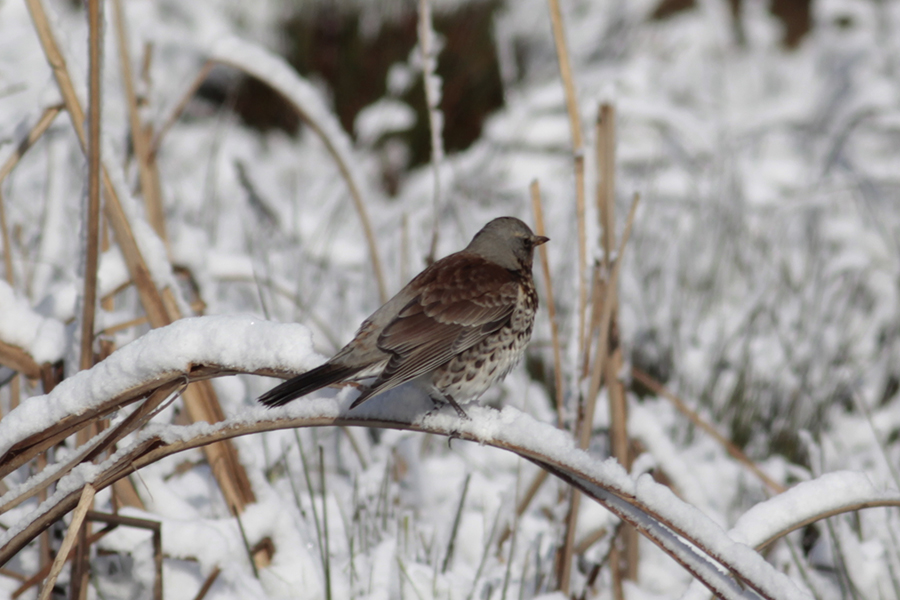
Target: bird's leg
{"x":447,"y":399}
{"x":462,"y":414}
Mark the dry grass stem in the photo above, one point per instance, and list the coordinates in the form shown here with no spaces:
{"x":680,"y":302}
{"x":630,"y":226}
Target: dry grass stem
{"x":735,"y":452}
{"x":618,"y":408}
{"x":584,"y":433}
{"x":567,"y":550}
{"x":21,"y":357}
{"x":179,"y":107}
{"x":207,"y":583}
{"x":29,"y":582}
{"x":586,"y":425}
{"x":84,"y":504}
{"x":535,"y":189}
{"x":36,"y":132}
{"x":150,"y":297}
{"x":451,"y":543}
{"x":140,"y":137}
{"x":524,"y":502}
{"x":123,"y":326}
{"x":7,"y":245}
{"x":19,"y":360}
{"x":589,"y":539}
{"x":565,"y":72}
{"x":94,"y":143}
{"x":432,"y":103}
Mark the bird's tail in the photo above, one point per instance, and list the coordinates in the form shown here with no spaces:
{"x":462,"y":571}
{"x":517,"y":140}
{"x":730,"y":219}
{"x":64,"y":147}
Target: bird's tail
{"x":310,"y":381}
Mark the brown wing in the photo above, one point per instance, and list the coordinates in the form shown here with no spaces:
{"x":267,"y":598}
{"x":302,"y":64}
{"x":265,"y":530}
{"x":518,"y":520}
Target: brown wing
{"x":463,"y":299}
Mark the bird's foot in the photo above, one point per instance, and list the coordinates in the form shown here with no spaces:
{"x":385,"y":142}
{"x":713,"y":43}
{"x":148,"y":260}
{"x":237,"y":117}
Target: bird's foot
{"x":454,"y":435}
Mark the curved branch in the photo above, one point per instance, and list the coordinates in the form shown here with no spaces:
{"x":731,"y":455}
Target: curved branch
{"x":155,"y":366}
{"x":509,"y":430}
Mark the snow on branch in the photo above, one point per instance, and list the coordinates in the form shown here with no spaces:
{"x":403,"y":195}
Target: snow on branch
{"x":157,"y":364}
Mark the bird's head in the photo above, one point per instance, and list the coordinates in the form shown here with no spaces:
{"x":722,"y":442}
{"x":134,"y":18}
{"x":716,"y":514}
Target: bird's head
{"x":508,"y":242}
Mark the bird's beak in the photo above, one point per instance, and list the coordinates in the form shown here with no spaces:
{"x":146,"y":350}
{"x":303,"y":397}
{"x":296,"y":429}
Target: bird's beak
{"x":539,"y":239}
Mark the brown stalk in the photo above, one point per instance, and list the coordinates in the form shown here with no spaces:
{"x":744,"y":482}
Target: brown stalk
{"x":618,"y":408}
{"x":551,"y":304}
{"x":92,"y":250}
{"x":84,"y":504}
{"x":207,"y":583}
{"x":19,"y":360}
{"x":541,"y":475}
{"x":124,"y":236}
{"x":149,"y":176}
{"x":36,"y":132}
{"x":153,"y":526}
{"x":200,"y":400}
{"x":12,"y":574}
{"x":29,"y":582}
{"x":586,"y":424}
{"x":584,"y":434}
{"x":735,"y":452}
{"x":565,"y":71}
{"x":589,"y":539}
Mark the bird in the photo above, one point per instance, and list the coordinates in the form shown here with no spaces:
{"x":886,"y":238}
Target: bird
{"x":459,"y":326}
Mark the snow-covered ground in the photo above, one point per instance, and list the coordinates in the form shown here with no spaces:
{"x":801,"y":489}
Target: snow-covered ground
{"x":761,"y":281}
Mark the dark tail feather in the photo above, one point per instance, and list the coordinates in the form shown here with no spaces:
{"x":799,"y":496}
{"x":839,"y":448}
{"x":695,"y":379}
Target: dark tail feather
{"x":310,"y":381}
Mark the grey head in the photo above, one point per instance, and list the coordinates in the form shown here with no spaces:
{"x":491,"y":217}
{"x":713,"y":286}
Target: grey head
{"x":508,"y":242}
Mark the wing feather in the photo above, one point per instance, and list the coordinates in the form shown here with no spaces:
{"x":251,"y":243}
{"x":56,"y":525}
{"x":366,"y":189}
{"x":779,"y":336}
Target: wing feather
{"x":464,"y":299}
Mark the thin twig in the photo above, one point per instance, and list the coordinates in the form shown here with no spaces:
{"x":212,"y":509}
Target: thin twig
{"x":36,"y":132}
{"x":459,"y":508}
{"x":332,"y":137}
{"x":485,"y":553}
{"x":356,"y":449}
{"x":315,"y":511}
{"x":327,"y":551}
{"x":36,"y":578}
{"x":237,"y":515}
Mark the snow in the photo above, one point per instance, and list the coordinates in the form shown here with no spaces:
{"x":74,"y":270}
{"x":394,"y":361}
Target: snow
{"x":224,"y":340}
{"x":43,"y":338}
{"x":761,"y":279}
